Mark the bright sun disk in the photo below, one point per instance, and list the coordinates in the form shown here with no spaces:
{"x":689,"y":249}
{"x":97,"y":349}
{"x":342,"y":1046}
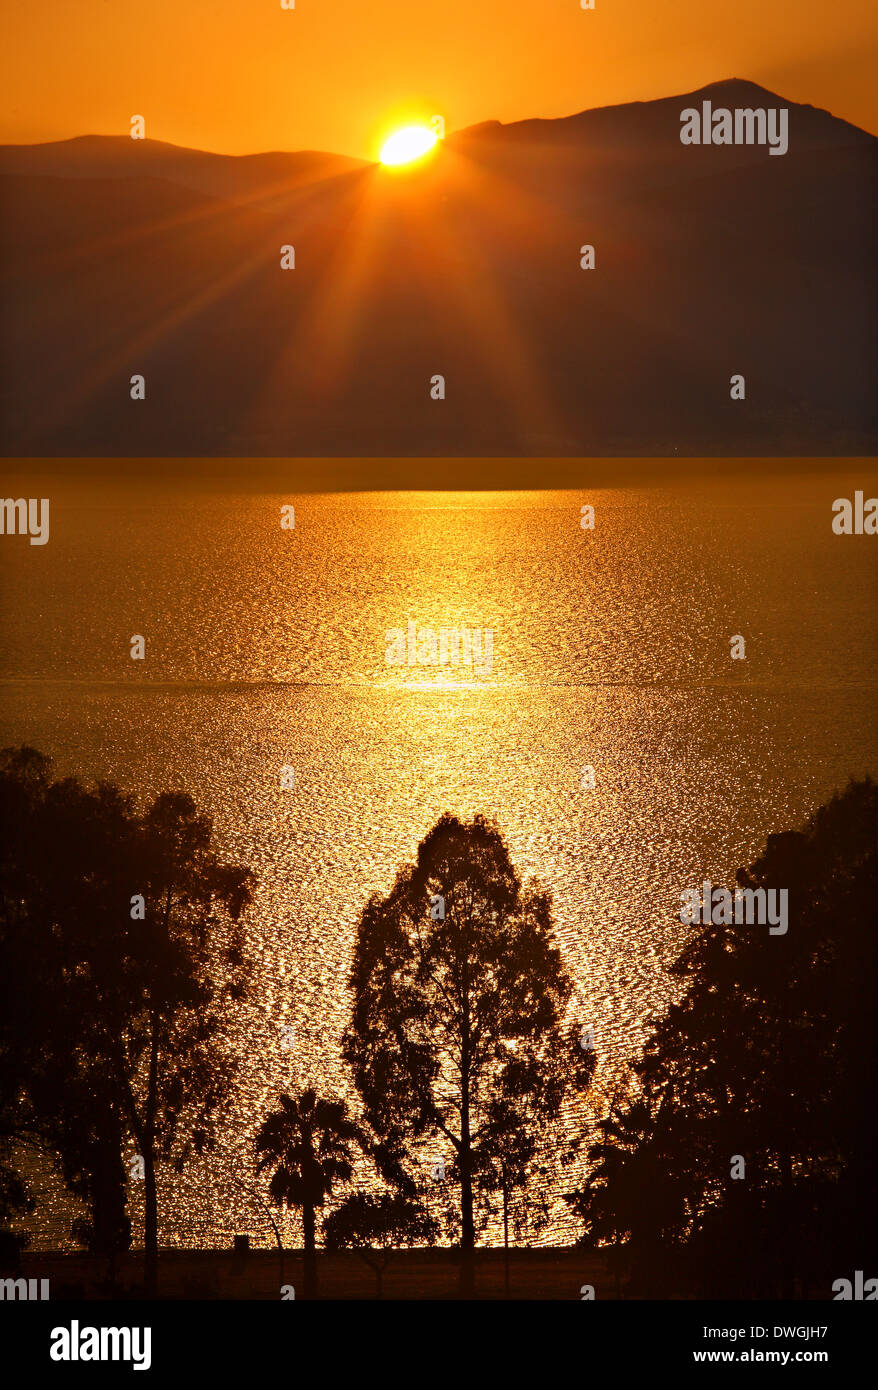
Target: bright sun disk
{"x":407,"y":144}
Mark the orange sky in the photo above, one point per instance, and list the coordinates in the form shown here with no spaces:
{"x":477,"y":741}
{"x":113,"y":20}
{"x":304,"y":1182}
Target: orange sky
{"x":244,"y":75}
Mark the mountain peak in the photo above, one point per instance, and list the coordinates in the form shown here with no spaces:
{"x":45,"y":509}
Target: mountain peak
{"x":731,"y":87}
{"x":646,"y":122}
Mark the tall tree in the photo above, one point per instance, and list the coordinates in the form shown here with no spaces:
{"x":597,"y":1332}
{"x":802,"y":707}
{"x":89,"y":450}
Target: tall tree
{"x":457,"y":1038}
{"x":184,"y":966}
{"x":61,"y":846}
{"x":24,"y":776}
{"x":768,"y":1056}
{"x":122,"y":932}
{"x":308,"y":1143}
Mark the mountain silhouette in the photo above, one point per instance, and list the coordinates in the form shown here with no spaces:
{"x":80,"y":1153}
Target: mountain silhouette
{"x":238,"y":178}
{"x":126,"y":257}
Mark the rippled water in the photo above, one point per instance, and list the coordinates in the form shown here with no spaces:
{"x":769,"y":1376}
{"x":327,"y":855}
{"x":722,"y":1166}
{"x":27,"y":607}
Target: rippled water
{"x":267,"y":647}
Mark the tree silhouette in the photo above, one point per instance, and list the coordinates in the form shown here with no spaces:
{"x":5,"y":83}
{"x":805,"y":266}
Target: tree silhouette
{"x":61,"y":1092}
{"x":308,"y":1143}
{"x":118,"y":1030}
{"x":185,"y":969}
{"x":377,"y":1227}
{"x":510,"y":1191}
{"x":769,"y":1055}
{"x":24,"y":775}
{"x":456,"y":1038}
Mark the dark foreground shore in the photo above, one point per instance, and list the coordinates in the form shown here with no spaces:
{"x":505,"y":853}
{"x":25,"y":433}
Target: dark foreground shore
{"x":414,"y":1274}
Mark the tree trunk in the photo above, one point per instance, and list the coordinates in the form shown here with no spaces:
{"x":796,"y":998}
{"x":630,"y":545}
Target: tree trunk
{"x":111,"y":1227}
{"x":150,"y":1218}
{"x":786,"y":1273}
{"x":309,"y":1226}
{"x":150,"y":1226}
{"x":379,"y":1279}
{"x":505,"y":1237}
{"x":467,"y":1224}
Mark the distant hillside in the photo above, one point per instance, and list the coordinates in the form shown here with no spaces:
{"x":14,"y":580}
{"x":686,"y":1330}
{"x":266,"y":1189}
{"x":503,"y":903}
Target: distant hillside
{"x":234,"y":177}
{"x":123,"y":257}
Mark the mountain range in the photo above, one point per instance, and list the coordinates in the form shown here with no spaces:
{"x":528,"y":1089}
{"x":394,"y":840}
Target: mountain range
{"x":125,"y":258}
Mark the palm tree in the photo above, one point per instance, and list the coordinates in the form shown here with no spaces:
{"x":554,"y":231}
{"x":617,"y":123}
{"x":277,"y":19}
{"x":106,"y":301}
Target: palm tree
{"x":307,"y":1141}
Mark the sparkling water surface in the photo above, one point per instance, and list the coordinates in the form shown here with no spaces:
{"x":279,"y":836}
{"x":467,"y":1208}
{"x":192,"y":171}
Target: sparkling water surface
{"x":611,"y":648}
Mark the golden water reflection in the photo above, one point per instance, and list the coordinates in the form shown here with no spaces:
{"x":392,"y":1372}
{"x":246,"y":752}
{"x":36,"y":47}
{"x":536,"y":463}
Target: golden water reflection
{"x":610,"y":649}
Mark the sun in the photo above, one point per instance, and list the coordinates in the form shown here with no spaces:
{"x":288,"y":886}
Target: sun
{"x":407,"y":144}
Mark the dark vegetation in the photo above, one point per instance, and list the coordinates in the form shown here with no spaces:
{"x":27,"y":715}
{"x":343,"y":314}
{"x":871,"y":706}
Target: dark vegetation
{"x":121,"y":955}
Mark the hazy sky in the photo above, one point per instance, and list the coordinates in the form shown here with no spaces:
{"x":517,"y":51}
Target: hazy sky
{"x":245,"y":75}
